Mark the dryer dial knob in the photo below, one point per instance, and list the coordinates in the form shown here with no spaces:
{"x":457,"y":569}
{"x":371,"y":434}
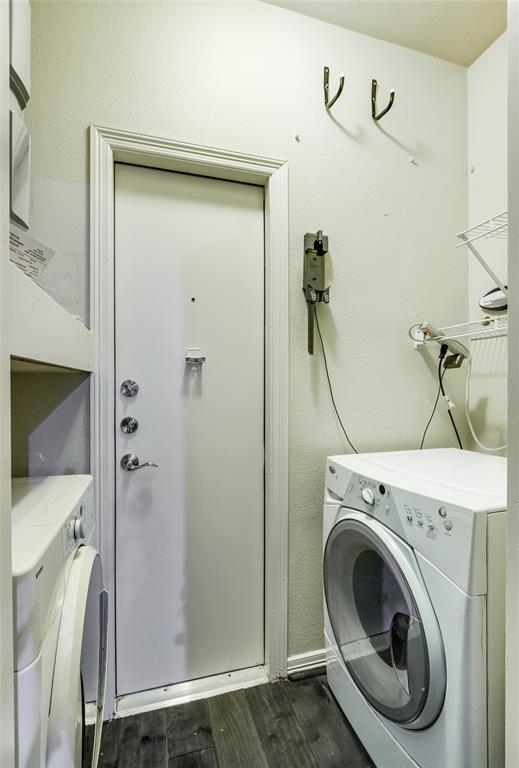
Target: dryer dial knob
{"x":368,"y":496}
{"x":79,"y":528}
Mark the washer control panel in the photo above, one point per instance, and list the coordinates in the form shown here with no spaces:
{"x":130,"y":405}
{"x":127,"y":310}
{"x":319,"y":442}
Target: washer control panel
{"x":438,"y":502}
{"x":451,"y":537}
{"x":80,"y":524}
{"x":426,"y":517}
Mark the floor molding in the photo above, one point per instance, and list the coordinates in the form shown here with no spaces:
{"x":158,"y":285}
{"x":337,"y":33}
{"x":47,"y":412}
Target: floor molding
{"x":182,"y":693}
{"x":305,"y":662}
{"x":157,"y":698}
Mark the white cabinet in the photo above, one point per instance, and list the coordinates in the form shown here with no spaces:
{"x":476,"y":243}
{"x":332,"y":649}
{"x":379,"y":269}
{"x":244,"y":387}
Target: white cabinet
{"x":42,"y":332}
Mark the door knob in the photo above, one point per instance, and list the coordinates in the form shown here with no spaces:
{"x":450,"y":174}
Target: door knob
{"x":129,"y":425}
{"x":130,"y":462}
{"x":129,"y":388}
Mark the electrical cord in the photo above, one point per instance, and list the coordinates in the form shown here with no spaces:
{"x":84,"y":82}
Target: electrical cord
{"x":451,"y":417}
{"x":440,"y":377}
{"x":441,"y":391}
{"x":330,"y":383}
{"x":467,"y":401}
{"x":467,"y":415}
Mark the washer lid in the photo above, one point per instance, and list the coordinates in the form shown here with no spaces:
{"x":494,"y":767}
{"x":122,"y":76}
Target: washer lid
{"x":467,"y":479}
{"x":383,"y":622}
{"x":40,"y":509}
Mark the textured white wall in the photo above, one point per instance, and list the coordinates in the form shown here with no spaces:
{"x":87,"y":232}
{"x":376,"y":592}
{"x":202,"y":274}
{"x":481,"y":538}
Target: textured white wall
{"x":487,"y":155}
{"x":248,"y":76}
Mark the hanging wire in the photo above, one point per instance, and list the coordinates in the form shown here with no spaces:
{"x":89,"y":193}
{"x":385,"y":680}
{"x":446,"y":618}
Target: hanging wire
{"x":440,"y":377}
{"x":330,"y":383}
{"x":451,"y":417}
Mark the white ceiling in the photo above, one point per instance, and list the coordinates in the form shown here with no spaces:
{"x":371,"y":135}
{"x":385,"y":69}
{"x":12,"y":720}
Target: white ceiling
{"x":454,"y":30}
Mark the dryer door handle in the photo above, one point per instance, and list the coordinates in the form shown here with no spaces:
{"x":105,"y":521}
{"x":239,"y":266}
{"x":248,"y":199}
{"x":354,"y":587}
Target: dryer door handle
{"x":101,"y":679}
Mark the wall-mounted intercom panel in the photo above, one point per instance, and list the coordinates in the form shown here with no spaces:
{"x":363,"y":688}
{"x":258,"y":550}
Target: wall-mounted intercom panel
{"x":314,"y":278}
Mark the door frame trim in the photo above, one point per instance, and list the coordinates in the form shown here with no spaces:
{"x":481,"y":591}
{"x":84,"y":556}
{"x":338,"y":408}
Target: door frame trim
{"x":108,"y":146}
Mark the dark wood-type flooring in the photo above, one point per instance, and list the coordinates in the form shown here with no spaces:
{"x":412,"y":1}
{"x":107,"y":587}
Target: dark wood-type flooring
{"x":295,"y":724}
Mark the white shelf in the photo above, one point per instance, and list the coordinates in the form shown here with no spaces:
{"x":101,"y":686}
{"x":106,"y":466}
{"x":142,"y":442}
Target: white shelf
{"x":42,"y":335}
{"x":485,"y":328}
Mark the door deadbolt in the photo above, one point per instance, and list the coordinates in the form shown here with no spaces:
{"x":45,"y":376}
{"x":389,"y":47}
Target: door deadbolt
{"x":129,"y":388}
{"x":129,"y":425}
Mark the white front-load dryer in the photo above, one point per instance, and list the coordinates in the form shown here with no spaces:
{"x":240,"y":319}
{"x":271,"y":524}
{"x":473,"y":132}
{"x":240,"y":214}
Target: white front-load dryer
{"x":60,"y":609}
{"x":413,"y":566}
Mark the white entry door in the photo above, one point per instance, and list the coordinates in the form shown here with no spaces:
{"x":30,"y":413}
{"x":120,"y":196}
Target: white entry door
{"x":189,"y":282}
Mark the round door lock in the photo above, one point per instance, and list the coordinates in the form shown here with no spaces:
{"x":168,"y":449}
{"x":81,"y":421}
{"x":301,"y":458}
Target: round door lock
{"x":129,"y":425}
{"x":129,"y":388}
{"x":368,"y":497}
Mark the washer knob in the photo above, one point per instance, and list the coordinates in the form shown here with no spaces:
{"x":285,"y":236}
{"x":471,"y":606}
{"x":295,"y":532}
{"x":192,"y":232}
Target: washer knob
{"x":368,"y":496}
{"x":79,"y":528}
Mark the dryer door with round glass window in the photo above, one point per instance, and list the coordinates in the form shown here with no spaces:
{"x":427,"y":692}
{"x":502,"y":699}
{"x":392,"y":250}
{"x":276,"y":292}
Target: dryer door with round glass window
{"x":375,"y":603}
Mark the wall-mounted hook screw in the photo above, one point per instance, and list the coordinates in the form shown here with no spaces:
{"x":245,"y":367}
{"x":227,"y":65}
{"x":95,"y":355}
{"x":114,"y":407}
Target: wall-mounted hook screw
{"x":328,"y":103}
{"x":374,"y":115}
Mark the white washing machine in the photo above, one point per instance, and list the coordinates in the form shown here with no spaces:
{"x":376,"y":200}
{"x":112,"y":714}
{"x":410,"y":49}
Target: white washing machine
{"x":60,"y":613}
{"x":414,"y":582}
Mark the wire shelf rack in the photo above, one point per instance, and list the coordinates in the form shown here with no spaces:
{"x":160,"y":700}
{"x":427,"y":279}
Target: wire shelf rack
{"x":484,"y":328}
{"x":497,"y":226}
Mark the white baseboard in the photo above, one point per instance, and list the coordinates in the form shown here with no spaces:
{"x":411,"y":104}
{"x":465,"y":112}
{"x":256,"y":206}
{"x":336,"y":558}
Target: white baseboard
{"x":305,"y":662}
{"x":181,"y":693}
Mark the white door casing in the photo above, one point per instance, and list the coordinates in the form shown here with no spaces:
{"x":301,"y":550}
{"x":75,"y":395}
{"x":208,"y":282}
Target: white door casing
{"x":512,"y":522}
{"x":107,"y":147}
{"x":189,"y":265}
{"x":7,"y":721}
